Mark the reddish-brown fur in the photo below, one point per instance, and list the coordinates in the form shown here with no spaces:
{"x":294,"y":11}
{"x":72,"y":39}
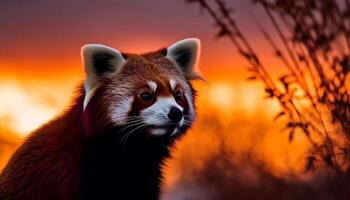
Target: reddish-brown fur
{"x":48,"y":161}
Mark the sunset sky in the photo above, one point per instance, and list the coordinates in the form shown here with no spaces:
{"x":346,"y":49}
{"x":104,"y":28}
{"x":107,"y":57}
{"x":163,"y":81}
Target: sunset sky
{"x":40,"y":63}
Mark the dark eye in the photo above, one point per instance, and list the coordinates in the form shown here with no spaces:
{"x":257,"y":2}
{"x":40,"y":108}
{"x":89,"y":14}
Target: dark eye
{"x":178,"y":95}
{"x":146,"y":96}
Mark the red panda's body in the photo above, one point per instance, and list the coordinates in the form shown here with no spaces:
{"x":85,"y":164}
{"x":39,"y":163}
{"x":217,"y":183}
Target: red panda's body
{"x":46,"y":166}
{"x":113,"y":140}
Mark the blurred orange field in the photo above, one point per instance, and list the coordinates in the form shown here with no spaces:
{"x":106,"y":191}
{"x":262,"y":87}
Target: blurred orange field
{"x":229,"y":107}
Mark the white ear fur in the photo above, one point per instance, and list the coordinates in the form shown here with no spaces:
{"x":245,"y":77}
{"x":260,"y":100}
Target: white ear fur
{"x":107,"y":57}
{"x":185,"y":54}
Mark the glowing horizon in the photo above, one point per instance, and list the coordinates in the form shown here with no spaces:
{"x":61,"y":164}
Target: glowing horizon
{"x":40,"y":69}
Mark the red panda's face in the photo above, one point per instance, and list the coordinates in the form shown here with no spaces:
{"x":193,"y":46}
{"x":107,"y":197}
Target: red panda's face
{"x":163,"y":106}
{"x":168,"y":112}
{"x":149,"y":92}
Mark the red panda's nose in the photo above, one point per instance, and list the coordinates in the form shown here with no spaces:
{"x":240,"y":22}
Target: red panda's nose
{"x":175,"y":114}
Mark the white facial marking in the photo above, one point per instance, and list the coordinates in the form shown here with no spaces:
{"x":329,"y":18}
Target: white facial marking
{"x":119,"y":111}
{"x":159,"y":131}
{"x":152,"y":85}
{"x":157,"y":114}
{"x":174,"y":132}
{"x":182,"y":122}
{"x":172,"y":84}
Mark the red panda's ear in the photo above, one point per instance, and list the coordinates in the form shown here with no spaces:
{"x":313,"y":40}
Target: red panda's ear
{"x":98,"y":60}
{"x":185,"y":54}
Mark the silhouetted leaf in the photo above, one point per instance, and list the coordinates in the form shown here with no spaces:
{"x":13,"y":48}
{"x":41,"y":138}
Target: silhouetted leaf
{"x":269,"y":92}
{"x":251,"y":78}
{"x":280,"y":114}
{"x":310,"y":164}
{"x":291,"y":135}
{"x":278,"y":53}
{"x":223,"y":32}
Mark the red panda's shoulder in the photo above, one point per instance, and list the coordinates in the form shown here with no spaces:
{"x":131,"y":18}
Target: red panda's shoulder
{"x":47,"y":161}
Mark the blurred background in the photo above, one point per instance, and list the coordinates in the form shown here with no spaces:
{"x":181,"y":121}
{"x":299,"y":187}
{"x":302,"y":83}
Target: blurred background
{"x":236,"y":148}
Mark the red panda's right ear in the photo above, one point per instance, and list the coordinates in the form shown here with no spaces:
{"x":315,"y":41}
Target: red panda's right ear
{"x":98,"y":60}
{"x":185,"y":54}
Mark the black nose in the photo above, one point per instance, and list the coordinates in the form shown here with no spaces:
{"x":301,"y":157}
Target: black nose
{"x":175,"y":114}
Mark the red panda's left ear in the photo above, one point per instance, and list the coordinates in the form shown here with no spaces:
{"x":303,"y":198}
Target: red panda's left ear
{"x":98,"y":60}
{"x":185,"y":54}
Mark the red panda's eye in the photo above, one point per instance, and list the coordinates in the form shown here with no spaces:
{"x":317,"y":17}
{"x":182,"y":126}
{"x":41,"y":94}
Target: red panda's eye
{"x":178,"y":96}
{"x":146,"y":96}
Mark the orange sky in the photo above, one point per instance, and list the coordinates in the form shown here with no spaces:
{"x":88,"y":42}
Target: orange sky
{"x":40,"y":66}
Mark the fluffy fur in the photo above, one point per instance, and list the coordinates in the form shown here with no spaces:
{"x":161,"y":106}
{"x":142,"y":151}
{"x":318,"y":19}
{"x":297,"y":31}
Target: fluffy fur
{"x":97,"y":149}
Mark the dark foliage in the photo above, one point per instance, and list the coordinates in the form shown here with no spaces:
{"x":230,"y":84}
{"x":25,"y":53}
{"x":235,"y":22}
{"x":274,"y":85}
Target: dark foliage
{"x":312,"y":94}
{"x":313,"y":44}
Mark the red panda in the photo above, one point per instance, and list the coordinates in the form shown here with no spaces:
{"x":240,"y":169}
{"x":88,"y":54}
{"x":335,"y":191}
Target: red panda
{"x":113,"y":140}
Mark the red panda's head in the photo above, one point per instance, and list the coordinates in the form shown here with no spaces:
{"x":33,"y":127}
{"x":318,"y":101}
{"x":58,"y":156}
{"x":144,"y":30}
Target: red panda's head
{"x":150,"y":92}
